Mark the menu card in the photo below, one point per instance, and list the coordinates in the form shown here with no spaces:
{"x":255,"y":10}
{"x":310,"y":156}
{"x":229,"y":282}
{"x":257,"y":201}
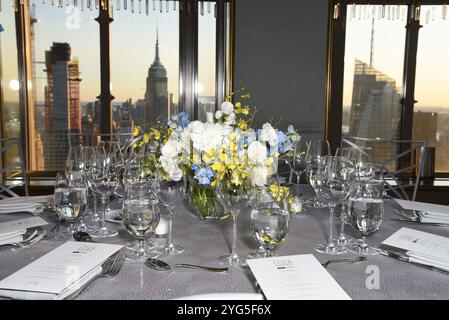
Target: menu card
{"x":299,"y":277}
{"x":419,"y":242}
{"x":59,"y":272}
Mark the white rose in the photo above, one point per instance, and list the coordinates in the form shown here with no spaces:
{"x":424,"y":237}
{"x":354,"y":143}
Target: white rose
{"x":227,"y":107}
{"x":230,"y":119}
{"x":268,"y":134}
{"x":257,"y":152}
{"x":218,"y":114}
{"x":171,"y":149}
{"x":259,"y":176}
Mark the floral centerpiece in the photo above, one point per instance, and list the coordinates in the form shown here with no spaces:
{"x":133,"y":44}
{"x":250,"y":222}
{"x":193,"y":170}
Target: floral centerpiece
{"x":224,"y":148}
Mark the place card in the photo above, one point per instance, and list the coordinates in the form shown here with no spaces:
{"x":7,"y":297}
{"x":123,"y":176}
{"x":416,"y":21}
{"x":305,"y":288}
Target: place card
{"x":299,"y":277}
{"x":62,"y":268}
{"x":21,"y":224}
{"x":419,"y":242}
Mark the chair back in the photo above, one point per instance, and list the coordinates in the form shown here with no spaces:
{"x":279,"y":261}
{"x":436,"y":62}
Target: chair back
{"x":12,"y":173}
{"x":401,"y":162}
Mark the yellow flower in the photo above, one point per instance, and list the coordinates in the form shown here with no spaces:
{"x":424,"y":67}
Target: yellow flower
{"x":246,"y":96}
{"x":242,"y":124}
{"x":156,"y":134}
{"x":238,"y":105}
{"x":245,"y":110}
{"x":269,"y":161}
{"x":136,"y":131}
{"x":232,"y":136}
{"x":146,"y":138}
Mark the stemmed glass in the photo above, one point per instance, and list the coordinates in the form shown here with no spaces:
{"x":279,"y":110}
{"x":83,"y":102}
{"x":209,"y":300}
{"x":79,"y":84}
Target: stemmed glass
{"x":104,"y":181}
{"x":315,"y":150}
{"x":114,"y":154}
{"x":269,"y":219}
{"x":140,"y":217}
{"x":70,"y":200}
{"x":333,"y":179}
{"x":366,"y":211}
{"x":297,"y":158}
{"x":169,"y":193}
{"x":233,"y":198}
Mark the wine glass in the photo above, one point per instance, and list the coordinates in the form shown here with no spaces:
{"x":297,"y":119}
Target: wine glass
{"x":113,"y":153}
{"x":315,"y":150}
{"x":169,"y":193}
{"x":78,"y":157}
{"x":140,"y":217}
{"x":70,"y":200}
{"x":366,"y":211}
{"x":333,"y":181}
{"x":269,"y":219}
{"x":105,"y":182}
{"x":297,"y":158}
{"x":233,"y":198}
{"x":141,"y":167}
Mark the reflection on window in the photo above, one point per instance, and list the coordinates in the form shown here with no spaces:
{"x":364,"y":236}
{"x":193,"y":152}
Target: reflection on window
{"x":144,"y":66}
{"x":206,"y":59}
{"x":431,"y":116}
{"x":9,"y":78}
{"x":372,"y":76}
{"x":66,"y":80}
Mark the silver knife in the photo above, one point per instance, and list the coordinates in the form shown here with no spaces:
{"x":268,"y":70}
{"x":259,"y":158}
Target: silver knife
{"x":434,"y":224}
{"x":405,"y":258}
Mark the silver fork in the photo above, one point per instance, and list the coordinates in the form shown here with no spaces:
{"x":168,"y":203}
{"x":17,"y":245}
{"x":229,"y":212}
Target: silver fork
{"x":34,"y":238}
{"x":110,"y":268}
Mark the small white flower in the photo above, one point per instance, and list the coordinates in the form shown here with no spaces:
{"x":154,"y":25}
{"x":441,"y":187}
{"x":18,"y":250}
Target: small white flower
{"x":268,"y":134}
{"x":218,"y":114}
{"x":257,"y":152}
{"x":259,"y":176}
{"x":227,"y":107}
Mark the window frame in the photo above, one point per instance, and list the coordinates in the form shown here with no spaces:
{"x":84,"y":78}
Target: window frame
{"x":188,"y":65}
{"x":335,"y":66}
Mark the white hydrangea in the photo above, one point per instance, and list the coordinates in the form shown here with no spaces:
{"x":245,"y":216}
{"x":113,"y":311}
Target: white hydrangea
{"x":268,"y":134}
{"x":257,"y":152}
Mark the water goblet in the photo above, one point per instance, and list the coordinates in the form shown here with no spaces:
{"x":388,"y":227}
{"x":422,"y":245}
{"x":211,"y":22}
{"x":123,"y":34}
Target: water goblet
{"x":366,"y":212}
{"x":269,"y":219}
{"x":169,"y":193}
{"x":140,"y":218}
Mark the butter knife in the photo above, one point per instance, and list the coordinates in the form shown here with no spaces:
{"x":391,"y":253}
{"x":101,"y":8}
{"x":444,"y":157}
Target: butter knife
{"x":405,"y":258}
{"x":434,"y":224}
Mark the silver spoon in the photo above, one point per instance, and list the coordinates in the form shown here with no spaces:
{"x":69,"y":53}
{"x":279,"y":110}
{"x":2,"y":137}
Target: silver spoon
{"x":162,"y":266}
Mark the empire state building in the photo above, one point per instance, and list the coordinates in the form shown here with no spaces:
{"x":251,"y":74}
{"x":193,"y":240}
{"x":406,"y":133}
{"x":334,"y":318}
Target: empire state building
{"x":156,"y":94}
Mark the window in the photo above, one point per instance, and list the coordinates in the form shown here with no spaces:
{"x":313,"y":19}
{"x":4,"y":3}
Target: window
{"x":145,"y":50}
{"x":102,"y":66}
{"x":65,"y":68}
{"x":10,"y":85}
{"x":388,"y":73}
{"x":431,"y":113}
{"x":374,"y":60}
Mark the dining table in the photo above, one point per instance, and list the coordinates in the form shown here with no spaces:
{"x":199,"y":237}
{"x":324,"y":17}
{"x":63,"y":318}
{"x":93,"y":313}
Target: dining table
{"x":377,"y":277}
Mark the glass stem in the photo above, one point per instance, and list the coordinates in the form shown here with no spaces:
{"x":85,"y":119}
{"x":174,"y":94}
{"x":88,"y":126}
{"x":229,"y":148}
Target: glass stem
{"x":95,"y":205}
{"x":331,"y":224}
{"x":169,"y":243}
{"x":105,"y":202}
{"x":234,"y":255}
{"x":141,"y":247}
{"x":342,"y":237}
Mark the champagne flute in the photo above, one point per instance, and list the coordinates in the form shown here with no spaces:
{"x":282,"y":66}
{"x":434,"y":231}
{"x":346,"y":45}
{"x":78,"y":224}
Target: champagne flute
{"x":140,"y":217}
{"x":315,"y":150}
{"x":233,"y":198}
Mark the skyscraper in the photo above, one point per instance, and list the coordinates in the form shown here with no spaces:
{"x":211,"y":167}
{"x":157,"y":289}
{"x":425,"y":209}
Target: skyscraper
{"x":156,"y":95}
{"x":62,"y":104}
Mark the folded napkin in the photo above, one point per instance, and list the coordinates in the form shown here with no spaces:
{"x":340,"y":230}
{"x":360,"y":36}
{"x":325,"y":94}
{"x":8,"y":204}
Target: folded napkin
{"x":11,"y":237}
{"x":35,"y":295}
{"x":427,"y":212}
{"x":23,"y":204}
{"x":428,"y":260}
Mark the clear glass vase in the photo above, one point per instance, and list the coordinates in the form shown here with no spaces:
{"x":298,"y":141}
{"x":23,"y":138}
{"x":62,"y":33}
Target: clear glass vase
{"x":202,"y":200}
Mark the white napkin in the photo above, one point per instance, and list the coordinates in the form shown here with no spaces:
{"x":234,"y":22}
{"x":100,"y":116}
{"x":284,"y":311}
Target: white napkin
{"x":11,"y":237}
{"x":33,"y":295}
{"x":427,"y":212}
{"x":428,"y":260}
{"x":23,"y":204}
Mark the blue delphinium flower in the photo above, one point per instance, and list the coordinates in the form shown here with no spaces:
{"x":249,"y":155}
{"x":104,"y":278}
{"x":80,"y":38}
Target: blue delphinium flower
{"x":204,"y":176}
{"x":183,"y":119}
{"x":284,"y":143}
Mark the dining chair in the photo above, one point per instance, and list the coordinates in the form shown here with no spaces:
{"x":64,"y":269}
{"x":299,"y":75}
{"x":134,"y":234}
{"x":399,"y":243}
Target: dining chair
{"x":400,"y":161}
{"x":12,"y":175}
